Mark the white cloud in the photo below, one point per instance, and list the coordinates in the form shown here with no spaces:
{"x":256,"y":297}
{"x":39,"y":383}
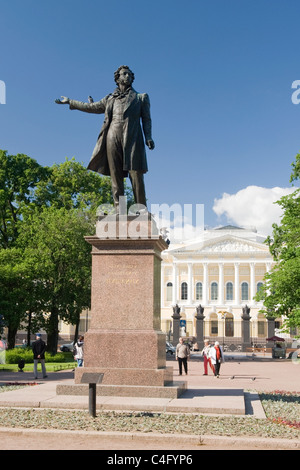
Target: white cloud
{"x":178,"y":220}
{"x":253,"y":206}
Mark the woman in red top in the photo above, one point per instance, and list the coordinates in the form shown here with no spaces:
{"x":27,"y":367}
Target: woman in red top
{"x":217,"y":357}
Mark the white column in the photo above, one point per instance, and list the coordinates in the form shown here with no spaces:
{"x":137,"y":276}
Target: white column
{"x":162,"y":284}
{"x":236,"y":283}
{"x":190,"y":282}
{"x":205,"y":284}
{"x":252,"y":282}
{"x":221,"y":284}
{"x":174,"y":291}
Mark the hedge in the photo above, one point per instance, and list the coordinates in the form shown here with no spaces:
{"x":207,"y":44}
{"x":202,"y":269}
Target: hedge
{"x":13,"y":356}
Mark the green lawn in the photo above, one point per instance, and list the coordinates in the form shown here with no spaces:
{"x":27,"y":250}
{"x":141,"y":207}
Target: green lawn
{"x":50,"y":366}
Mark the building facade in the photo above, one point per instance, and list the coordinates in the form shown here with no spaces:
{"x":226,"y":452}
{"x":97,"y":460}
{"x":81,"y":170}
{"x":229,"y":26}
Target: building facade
{"x":221,"y":271}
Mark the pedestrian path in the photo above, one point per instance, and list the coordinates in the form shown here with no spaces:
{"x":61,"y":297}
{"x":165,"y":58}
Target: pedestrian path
{"x":234,"y":393}
{"x":194,"y":400}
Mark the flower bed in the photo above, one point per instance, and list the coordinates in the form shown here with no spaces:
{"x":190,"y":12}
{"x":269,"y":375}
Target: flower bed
{"x":9,"y":386}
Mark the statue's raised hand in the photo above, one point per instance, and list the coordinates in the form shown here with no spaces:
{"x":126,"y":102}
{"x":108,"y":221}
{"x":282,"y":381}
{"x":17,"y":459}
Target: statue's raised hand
{"x":63,"y":100}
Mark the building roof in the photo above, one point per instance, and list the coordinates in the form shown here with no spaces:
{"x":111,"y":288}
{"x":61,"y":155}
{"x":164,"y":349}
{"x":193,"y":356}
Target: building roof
{"x":229,"y":227}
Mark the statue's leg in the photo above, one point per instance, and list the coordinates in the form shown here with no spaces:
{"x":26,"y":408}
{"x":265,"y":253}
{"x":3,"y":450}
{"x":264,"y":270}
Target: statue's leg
{"x":115,"y":161}
{"x":138,"y":187}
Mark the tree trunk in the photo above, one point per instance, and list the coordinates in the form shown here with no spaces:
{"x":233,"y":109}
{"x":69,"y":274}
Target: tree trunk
{"x":11,"y":337}
{"x":52,"y":331}
{"x":77,"y":327}
{"x":29,"y":329}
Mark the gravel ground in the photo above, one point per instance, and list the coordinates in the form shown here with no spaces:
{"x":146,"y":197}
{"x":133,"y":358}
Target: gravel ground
{"x":282,"y":411}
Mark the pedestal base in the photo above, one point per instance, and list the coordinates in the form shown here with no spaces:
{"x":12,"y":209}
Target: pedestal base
{"x":168,"y":391}
{"x":126,"y":357}
{"x":141,"y":377}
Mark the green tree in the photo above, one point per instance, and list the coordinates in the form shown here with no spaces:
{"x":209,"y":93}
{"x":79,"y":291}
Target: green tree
{"x":281,"y":290}
{"x":19,"y":175}
{"x":15,"y":285}
{"x":71,"y":185}
{"x":53,"y":245}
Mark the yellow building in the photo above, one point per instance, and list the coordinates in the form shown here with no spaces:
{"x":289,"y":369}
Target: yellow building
{"x":222,"y":270}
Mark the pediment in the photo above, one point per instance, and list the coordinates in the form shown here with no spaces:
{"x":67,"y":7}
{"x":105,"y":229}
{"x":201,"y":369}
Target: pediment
{"x":231,"y":246}
{"x":223,"y":245}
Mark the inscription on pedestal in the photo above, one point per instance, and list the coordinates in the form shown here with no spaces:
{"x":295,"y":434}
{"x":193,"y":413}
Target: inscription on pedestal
{"x":123,"y":275}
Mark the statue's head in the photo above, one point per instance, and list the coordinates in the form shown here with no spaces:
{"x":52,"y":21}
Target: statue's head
{"x":117,"y":73}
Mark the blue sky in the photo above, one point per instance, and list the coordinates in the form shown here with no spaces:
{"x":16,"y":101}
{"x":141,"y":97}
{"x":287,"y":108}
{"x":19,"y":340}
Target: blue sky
{"x":218,"y":73}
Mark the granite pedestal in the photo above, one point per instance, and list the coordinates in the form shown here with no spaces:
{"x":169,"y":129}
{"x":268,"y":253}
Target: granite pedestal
{"x":124,"y":341}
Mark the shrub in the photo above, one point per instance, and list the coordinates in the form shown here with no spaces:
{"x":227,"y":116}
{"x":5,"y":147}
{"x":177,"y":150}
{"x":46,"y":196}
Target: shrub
{"x":13,"y":356}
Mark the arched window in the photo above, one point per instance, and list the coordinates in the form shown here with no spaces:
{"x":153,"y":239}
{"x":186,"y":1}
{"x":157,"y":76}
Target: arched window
{"x":245,"y":291}
{"x":184,"y":291}
{"x":213,"y":325}
{"x":199,"y":291}
{"x":259,"y":286}
{"x":214,"y":291}
{"x":229,"y":291}
{"x":169,"y":291}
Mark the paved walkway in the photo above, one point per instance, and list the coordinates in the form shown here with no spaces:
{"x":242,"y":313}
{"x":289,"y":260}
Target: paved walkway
{"x":228,"y":394}
{"x":234,"y":393}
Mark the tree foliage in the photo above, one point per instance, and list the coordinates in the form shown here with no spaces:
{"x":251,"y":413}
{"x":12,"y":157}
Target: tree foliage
{"x":53,"y":244}
{"x":281,"y":291}
{"x":19,"y":176}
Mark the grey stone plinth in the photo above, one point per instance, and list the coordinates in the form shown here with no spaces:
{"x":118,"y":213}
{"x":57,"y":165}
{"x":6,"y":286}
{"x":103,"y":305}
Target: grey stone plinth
{"x":169,"y":391}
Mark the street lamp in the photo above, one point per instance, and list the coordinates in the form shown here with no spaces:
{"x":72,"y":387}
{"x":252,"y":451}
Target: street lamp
{"x":223,"y":316}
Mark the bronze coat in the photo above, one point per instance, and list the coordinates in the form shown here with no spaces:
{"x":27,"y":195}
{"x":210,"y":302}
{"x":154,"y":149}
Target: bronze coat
{"x":137,"y":110}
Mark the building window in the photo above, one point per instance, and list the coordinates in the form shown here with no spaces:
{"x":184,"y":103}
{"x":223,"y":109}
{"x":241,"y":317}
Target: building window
{"x":245,"y":293}
{"x":229,"y":291}
{"x":184,"y":291}
{"x":169,"y":291}
{"x":213,"y":325}
{"x":214,"y":291}
{"x":199,"y":291}
{"x":277,"y":324}
{"x":259,"y":286}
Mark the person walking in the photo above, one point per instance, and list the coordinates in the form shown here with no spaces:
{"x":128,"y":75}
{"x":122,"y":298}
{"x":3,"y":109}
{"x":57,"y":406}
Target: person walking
{"x":207,"y":358}
{"x":182,"y":355}
{"x":78,"y":349}
{"x":217,"y":358}
{"x":39,"y":349}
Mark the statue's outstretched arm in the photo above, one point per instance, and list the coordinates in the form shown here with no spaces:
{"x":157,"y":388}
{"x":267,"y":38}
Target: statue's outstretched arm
{"x":97,"y":108}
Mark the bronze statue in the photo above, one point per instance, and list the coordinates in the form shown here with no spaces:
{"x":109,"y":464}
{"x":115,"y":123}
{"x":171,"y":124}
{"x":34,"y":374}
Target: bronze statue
{"x":199,"y":310}
{"x":120,"y":148}
{"x":246,"y":311}
{"x":176,"y":309}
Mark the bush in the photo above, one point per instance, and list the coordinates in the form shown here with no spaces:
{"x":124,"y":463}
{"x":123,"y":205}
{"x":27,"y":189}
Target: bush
{"x":13,"y":356}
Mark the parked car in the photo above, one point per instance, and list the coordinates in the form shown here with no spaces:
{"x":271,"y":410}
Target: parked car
{"x":24,"y":345}
{"x":170,"y":349}
{"x":67,"y":347}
